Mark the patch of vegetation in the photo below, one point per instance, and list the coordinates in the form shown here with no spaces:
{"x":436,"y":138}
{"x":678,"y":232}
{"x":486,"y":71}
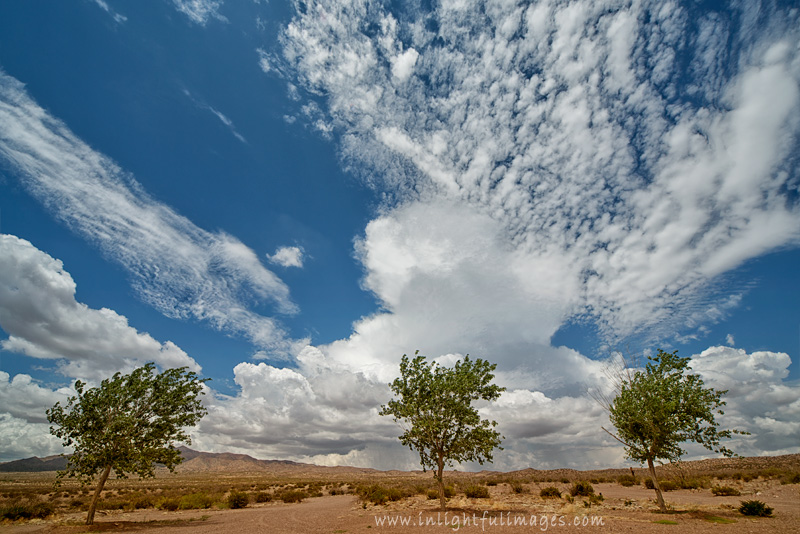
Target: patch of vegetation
{"x":477,"y":492}
{"x":665,"y":522}
{"x":169,"y":503}
{"x":265,"y":496}
{"x":792,"y":478}
{"x":627,"y":480}
{"x":582,"y":489}
{"x":30,"y":509}
{"x":238,"y":499}
{"x":197,"y":501}
{"x":725,"y":491}
{"x":550,"y":491}
{"x":755,"y":508}
{"x":666,"y":485}
{"x":292,"y":496}
{"x":518,"y":487}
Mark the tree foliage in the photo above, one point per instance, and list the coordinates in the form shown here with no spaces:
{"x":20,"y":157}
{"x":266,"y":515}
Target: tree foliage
{"x":434,"y":406}
{"x":658,"y":409}
{"x":127,"y":424}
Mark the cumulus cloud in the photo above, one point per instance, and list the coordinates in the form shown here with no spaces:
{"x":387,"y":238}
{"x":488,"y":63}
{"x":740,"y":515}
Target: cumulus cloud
{"x":43,"y":320}
{"x":287,"y":257}
{"x":178,"y":268}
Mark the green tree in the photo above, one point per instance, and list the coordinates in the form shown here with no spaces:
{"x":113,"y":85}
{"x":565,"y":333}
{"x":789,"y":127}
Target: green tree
{"x":434,"y":407}
{"x":127,"y":424}
{"x":657,"y":409}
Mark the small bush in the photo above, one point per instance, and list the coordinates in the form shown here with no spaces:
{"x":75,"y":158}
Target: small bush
{"x":793,"y":478}
{"x":143,"y":501}
{"x":518,"y":487}
{"x":292,"y":496}
{"x":550,"y":491}
{"x":169,"y":503}
{"x":238,"y":499}
{"x":755,"y":508}
{"x":477,"y":492}
{"x":725,"y":491}
{"x":627,"y":480}
{"x":31,"y":509}
{"x":432,"y":494}
{"x":666,"y":485}
{"x":265,"y":496}
{"x":491,"y":482}
{"x":196,"y":501}
{"x":582,"y":488}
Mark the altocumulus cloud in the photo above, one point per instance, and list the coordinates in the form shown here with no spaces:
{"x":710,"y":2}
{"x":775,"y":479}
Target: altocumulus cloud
{"x":177,"y":267}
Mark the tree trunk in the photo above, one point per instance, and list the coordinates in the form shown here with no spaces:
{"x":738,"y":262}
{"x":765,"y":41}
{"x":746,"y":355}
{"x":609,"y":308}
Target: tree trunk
{"x":93,"y":505}
{"x":440,"y":479}
{"x":659,"y":497}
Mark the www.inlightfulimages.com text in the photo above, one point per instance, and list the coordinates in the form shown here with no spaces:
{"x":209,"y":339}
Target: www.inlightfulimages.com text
{"x":484,"y":521}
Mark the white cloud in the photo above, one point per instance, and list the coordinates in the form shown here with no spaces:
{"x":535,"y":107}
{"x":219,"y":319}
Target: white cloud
{"x":180,"y":269}
{"x":43,"y":320}
{"x":102,"y":4}
{"x":287,"y":257}
{"x":200,"y":11}
{"x":565,"y":124}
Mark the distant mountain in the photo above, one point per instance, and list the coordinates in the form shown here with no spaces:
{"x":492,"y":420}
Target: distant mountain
{"x":199,"y":462}
{"x":35,"y":464}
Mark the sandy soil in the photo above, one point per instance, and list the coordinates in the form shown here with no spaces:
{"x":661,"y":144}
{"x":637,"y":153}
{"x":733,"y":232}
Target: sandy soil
{"x":623,"y":510}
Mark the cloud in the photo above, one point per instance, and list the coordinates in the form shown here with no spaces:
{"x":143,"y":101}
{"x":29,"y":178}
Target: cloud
{"x":119,"y":19}
{"x":218,"y":114}
{"x":181,"y":270}
{"x":759,"y":398}
{"x":576,"y":128}
{"x":43,"y":320}
{"x":287,"y":257}
{"x":200,"y":11}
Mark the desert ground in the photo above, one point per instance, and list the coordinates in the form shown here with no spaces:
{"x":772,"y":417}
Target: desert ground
{"x":347,"y":500}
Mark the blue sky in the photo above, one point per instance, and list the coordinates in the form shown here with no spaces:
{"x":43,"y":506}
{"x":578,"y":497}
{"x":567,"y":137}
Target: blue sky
{"x":289,"y":196}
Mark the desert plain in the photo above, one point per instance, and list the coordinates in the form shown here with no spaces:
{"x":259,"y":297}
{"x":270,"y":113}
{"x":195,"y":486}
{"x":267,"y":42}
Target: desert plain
{"x":226,"y":493}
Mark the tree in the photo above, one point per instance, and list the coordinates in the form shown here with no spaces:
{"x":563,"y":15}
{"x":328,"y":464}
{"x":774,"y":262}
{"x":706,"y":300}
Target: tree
{"x":657,"y":409}
{"x":127,"y":424}
{"x":434,"y":406}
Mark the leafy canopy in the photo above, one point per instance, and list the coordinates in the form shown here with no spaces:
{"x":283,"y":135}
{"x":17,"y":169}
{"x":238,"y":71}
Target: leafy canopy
{"x":663,"y":406}
{"x":129,"y":422}
{"x":434,"y":406}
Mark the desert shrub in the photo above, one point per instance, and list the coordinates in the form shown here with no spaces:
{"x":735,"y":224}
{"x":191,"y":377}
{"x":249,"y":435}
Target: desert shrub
{"x":564,"y":480}
{"x":265,"y":496}
{"x":477,"y":492}
{"x":169,"y":503}
{"x":627,"y":480}
{"x":666,"y":485}
{"x":114,"y":503}
{"x":432,"y":494}
{"x":195,"y":501}
{"x":792,"y":478}
{"x":30,"y":509}
{"x":518,"y":487}
{"x":338,"y":491}
{"x":291,"y":496}
{"x":693,"y":483}
{"x":491,"y":482}
{"x":724,"y":491}
{"x":550,"y":491}
{"x":238,"y":499}
{"x":582,"y":488}
{"x":755,"y":508}
{"x":77,"y":503}
{"x":143,"y":501}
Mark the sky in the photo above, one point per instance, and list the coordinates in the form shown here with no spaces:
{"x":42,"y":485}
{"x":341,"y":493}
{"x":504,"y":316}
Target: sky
{"x":286,"y":197}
